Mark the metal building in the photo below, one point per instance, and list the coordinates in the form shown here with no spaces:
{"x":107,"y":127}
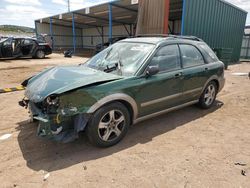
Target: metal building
{"x":217,"y":22}
{"x":245,"y":48}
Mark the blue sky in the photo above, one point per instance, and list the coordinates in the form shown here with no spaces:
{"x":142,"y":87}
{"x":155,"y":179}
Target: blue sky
{"x":24,"y":12}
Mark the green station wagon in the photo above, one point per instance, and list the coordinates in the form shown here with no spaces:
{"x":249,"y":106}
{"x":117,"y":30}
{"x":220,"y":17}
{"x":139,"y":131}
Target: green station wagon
{"x":130,"y":81}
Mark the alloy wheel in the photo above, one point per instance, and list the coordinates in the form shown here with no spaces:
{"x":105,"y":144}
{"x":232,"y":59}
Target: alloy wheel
{"x":210,"y":94}
{"x":111,"y":125}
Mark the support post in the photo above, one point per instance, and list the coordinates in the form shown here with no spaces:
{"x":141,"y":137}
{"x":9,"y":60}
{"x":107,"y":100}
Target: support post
{"x":36,"y":29}
{"x":51,"y":33}
{"x":131,"y":29}
{"x":110,"y":23}
{"x":183,"y":17}
{"x":166,"y":16}
{"x":74,"y":33}
{"x":102,"y":37}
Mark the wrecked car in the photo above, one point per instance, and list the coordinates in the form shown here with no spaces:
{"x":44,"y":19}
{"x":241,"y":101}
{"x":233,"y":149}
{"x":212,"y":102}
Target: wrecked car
{"x":11,"y":48}
{"x":130,"y":81}
{"x":100,"y":47}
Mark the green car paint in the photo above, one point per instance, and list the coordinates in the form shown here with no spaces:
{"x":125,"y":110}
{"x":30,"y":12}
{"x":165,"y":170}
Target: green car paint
{"x":62,"y":79}
{"x":82,"y":90}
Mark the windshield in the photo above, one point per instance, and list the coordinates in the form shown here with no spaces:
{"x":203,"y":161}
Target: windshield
{"x":122,"y":58}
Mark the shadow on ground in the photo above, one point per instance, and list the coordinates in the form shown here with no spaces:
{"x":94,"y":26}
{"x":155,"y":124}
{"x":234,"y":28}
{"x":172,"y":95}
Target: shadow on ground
{"x":10,"y":60}
{"x":47,"y":155}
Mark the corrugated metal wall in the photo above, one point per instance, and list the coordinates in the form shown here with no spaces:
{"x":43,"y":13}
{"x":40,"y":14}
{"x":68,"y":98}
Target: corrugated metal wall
{"x":91,"y":37}
{"x":219,"y":24}
{"x":151,"y":15}
{"x":62,"y":36}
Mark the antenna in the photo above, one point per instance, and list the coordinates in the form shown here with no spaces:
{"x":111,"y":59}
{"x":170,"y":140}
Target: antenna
{"x":68,"y":5}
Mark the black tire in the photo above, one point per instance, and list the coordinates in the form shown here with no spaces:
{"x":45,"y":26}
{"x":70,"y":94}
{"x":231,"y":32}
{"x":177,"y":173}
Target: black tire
{"x":40,"y":54}
{"x":203,"y":101}
{"x":96,"y":131}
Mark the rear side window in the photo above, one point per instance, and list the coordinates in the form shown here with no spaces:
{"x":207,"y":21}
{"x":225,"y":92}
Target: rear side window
{"x":27,"y":41}
{"x":211,"y":57}
{"x":191,"y":56}
{"x":167,"y":58}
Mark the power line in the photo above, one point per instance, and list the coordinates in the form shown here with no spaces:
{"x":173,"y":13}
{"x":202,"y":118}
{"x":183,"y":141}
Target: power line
{"x":68,"y":6}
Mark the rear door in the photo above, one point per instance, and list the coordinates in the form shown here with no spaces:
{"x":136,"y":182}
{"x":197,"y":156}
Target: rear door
{"x":195,"y":72}
{"x":27,"y":47}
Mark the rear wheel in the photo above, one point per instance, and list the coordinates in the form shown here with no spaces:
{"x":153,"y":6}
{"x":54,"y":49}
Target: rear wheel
{"x":108,"y":125}
{"x":40,"y":54}
{"x":208,"y":96}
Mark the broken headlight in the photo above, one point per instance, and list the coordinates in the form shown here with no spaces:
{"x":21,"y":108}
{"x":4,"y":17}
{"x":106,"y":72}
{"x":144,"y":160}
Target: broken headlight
{"x":52,"y":100}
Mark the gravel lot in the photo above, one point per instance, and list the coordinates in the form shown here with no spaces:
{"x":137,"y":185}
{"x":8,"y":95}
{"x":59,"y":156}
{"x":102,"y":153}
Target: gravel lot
{"x":186,"y":148}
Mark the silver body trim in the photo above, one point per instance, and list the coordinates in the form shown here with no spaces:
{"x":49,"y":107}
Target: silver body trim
{"x":170,"y":97}
{"x":192,"y":91}
{"x":160,"y":100}
{"x":114,"y":97}
{"x":164,"y":111}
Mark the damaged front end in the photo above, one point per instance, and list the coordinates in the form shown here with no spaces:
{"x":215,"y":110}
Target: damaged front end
{"x":59,"y":99}
{"x":62,"y":125}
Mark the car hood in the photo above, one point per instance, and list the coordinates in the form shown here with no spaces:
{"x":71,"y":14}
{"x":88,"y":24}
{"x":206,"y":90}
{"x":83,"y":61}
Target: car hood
{"x":61,"y":79}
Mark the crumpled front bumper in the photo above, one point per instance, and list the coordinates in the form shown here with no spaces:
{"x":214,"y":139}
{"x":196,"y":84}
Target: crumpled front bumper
{"x":57,"y":127}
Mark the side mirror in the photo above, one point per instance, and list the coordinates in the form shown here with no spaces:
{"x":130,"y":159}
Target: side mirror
{"x":152,"y":70}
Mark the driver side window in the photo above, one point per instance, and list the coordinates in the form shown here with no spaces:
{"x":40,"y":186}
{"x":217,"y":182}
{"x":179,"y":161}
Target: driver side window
{"x":167,"y":58}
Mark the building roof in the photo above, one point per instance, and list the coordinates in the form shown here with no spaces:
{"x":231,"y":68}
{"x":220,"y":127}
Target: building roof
{"x":123,"y":12}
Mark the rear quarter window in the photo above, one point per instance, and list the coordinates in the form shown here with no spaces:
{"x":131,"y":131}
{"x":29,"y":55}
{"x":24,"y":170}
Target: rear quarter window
{"x":209,"y":53}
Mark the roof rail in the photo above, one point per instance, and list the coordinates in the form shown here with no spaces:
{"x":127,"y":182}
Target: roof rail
{"x":152,"y":35}
{"x":186,"y":37}
{"x":169,"y":35}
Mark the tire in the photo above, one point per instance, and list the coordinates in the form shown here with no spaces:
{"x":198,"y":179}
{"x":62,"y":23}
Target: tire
{"x":208,"y":96}
{"x":108,"y":125}
{"x":40,"y":54}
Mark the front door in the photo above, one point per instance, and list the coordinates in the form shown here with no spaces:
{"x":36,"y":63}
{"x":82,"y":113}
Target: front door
{"x":7,"y":49}
{"x":163,"y":90}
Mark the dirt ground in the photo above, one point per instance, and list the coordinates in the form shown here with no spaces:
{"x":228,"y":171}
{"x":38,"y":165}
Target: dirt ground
{"x":186,"y":148}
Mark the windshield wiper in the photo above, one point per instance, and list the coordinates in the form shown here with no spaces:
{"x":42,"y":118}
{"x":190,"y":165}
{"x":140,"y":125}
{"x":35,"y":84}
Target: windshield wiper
{"x":108,"y":52}
{"x":110,"y":69}
{"x":119,"y":65}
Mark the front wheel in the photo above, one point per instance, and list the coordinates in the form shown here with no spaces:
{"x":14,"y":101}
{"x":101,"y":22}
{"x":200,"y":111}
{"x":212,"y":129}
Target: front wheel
{"x":208,"y":96}
{"x":108,"y":125}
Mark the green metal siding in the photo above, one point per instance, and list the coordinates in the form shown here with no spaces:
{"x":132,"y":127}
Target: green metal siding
{"x":218,"y":23}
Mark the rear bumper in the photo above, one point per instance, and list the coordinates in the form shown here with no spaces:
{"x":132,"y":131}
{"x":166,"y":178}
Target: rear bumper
{"x":221,"y":83}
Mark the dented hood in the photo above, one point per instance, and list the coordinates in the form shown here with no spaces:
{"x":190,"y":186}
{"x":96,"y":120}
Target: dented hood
{"x":61,"y":79}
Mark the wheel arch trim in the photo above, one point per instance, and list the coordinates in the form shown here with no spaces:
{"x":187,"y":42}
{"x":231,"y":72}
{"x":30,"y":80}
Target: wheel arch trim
{"x":214,"y":77}
{"x":112,"y":98}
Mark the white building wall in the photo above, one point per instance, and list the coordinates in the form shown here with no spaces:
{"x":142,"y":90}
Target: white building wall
{"x":85,"y":38}
{"x":62,"y":36}
{"x":91,"y":36}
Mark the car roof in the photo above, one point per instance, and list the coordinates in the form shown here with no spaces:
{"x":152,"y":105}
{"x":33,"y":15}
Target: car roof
{"x":152,"y":40}
{"x":163,"y":40}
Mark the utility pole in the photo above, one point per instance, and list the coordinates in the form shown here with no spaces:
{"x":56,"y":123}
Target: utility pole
{"x":68,"y":5}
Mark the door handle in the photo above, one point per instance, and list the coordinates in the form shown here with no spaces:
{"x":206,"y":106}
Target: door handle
{"x":206,"y":69}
